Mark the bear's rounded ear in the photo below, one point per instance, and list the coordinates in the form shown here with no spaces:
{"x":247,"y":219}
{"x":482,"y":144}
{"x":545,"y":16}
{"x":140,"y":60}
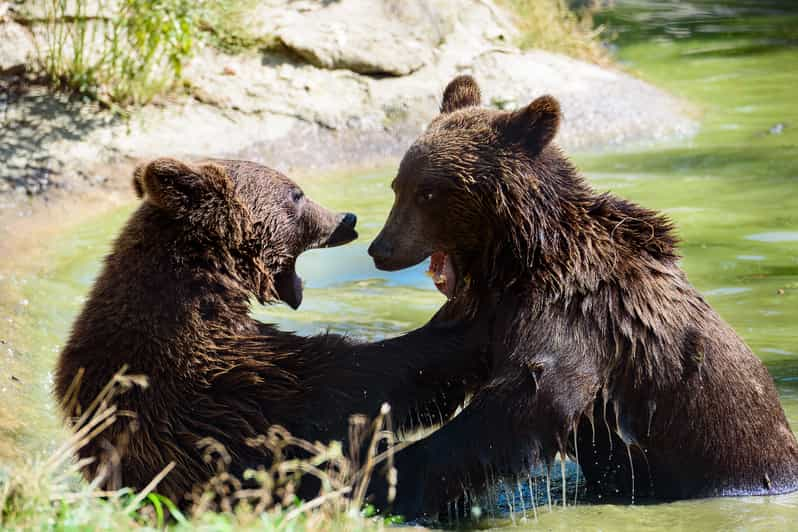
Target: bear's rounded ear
{"x":175,"y":186}
{"x":533,"y":126}
{"x":461,"y":92}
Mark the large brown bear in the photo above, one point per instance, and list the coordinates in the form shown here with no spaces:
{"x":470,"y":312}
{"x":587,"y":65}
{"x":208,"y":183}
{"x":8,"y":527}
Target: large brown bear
{"x":601,"y":350}
{"x":172,"y":302}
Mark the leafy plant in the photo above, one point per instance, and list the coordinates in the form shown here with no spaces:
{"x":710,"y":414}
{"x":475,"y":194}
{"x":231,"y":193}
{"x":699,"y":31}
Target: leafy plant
{"x":130,"y":51}
{"x":150,"y":42}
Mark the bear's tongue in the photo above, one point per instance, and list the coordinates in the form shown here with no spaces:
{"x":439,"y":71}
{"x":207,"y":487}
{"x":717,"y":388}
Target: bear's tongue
{"x":289,"y":288}
{"x":442,"y":273}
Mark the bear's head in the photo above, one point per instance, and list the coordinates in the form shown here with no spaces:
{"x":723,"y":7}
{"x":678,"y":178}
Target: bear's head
{"x":469,"y":191}
{"x":242,"y":217}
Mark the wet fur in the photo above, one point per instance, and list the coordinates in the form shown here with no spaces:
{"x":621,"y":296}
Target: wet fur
{"x":602,"y":350}
{"x":172,"y":303}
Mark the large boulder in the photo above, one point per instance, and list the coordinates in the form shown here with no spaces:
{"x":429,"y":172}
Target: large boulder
{"x":377,"y":37}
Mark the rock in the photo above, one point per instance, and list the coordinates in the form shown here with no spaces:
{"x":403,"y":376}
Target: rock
{"x":338,"y":99}
{"x":388,"y":37}
{"x":304,"y":92}
{"x":16,"y":47}
{"x":43,"y":10}
{"x":270,"y":15}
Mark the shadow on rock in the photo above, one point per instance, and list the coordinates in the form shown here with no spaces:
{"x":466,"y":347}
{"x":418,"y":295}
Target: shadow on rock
{"x":33,"y":122}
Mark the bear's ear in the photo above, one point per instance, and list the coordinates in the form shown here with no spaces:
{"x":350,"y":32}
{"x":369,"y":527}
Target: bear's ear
{"x":177,"y":187}
{"x":462,"y":91}
{"x":533,"y":126}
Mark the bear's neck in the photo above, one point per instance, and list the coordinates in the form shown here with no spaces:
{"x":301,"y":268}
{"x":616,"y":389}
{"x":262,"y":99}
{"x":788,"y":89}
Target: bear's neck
{"x":157,"y":306}
{"x":559,"y":236}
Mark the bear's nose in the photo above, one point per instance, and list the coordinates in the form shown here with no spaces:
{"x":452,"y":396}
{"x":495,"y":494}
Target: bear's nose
{"x":344,"y":231}
{"x":380,"y":249}
{"x":349,"y":220}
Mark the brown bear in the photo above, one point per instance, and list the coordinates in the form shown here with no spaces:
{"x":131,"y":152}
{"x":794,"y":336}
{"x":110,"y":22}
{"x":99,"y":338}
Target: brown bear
{"x":601,"y":349}
{"x":172,"y":303}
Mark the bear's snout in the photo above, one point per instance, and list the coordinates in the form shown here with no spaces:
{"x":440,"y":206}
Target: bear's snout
{"x":380,"y":249}
{"x":344,"y":231}
{"x":383,"y":252}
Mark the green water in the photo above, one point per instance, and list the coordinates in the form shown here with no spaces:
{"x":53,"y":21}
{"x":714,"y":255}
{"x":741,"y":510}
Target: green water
{"x":732,"y":191}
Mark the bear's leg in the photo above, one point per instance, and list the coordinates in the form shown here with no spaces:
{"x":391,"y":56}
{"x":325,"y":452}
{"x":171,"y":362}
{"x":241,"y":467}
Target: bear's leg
{"x":424,"y":376}
{"x":521,"y":418}
{"x":614,"y":469}
{"x":483,"y":441}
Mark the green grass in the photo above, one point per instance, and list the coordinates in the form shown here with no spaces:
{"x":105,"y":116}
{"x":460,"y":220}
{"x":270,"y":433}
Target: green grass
{"x":135,"y":50}
{"x":49,"y":505}
{"x":551,"y":25}
{"x":49,"y":493}
{"x":229,"y":25}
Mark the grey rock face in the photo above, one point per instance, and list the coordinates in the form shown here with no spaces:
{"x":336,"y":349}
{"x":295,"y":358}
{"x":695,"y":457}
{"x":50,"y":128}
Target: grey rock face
{"x":389,"y":37}
{"x":16,"y":47}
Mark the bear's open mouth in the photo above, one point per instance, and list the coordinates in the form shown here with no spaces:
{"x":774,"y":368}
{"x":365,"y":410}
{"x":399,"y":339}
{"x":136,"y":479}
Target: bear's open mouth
{"x":289,"y":287}
{"x":443,"y":274}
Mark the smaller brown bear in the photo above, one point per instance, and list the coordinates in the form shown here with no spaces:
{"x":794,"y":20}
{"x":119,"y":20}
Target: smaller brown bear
{"x":602,"y":350}
{"x":172,"y":303}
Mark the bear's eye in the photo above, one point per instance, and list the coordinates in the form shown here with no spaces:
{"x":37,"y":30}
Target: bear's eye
{"x":297,"y":195}
{"x":425,"y":196}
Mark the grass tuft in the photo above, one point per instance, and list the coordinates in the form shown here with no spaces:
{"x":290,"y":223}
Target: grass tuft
{"x":229,"y":25}
{"x":130,"y":51}
{"x":50,"y":493}
{"x":552,"y":25}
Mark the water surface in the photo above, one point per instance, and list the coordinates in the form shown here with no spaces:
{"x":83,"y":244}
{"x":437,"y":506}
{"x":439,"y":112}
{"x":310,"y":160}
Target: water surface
{"x":732,"y":191}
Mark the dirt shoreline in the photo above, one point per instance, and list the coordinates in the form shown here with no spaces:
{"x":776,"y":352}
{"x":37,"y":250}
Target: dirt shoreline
{"x":80,"y":190}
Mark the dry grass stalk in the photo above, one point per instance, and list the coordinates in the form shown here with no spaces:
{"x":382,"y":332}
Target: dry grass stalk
{"x":552,"y":25}
{"x":344,"y":481}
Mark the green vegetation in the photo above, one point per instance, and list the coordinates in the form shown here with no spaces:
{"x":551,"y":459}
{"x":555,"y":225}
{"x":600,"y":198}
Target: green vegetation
{"x":228,"y":25}
{"x":129,"y":56}
{"x":131,"y":51}
{"x":48,"y":493}
{"x":552,"y":25}
{"x":50,"y":504}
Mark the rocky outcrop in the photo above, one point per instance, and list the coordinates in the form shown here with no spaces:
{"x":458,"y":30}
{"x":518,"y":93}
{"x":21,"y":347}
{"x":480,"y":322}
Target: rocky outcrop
{"x":342,"y":82}
{"x":391,"y":37}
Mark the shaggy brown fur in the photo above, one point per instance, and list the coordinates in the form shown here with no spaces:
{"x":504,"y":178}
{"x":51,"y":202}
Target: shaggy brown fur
{"x":602,"y":350}
{"x":172,"y":303}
